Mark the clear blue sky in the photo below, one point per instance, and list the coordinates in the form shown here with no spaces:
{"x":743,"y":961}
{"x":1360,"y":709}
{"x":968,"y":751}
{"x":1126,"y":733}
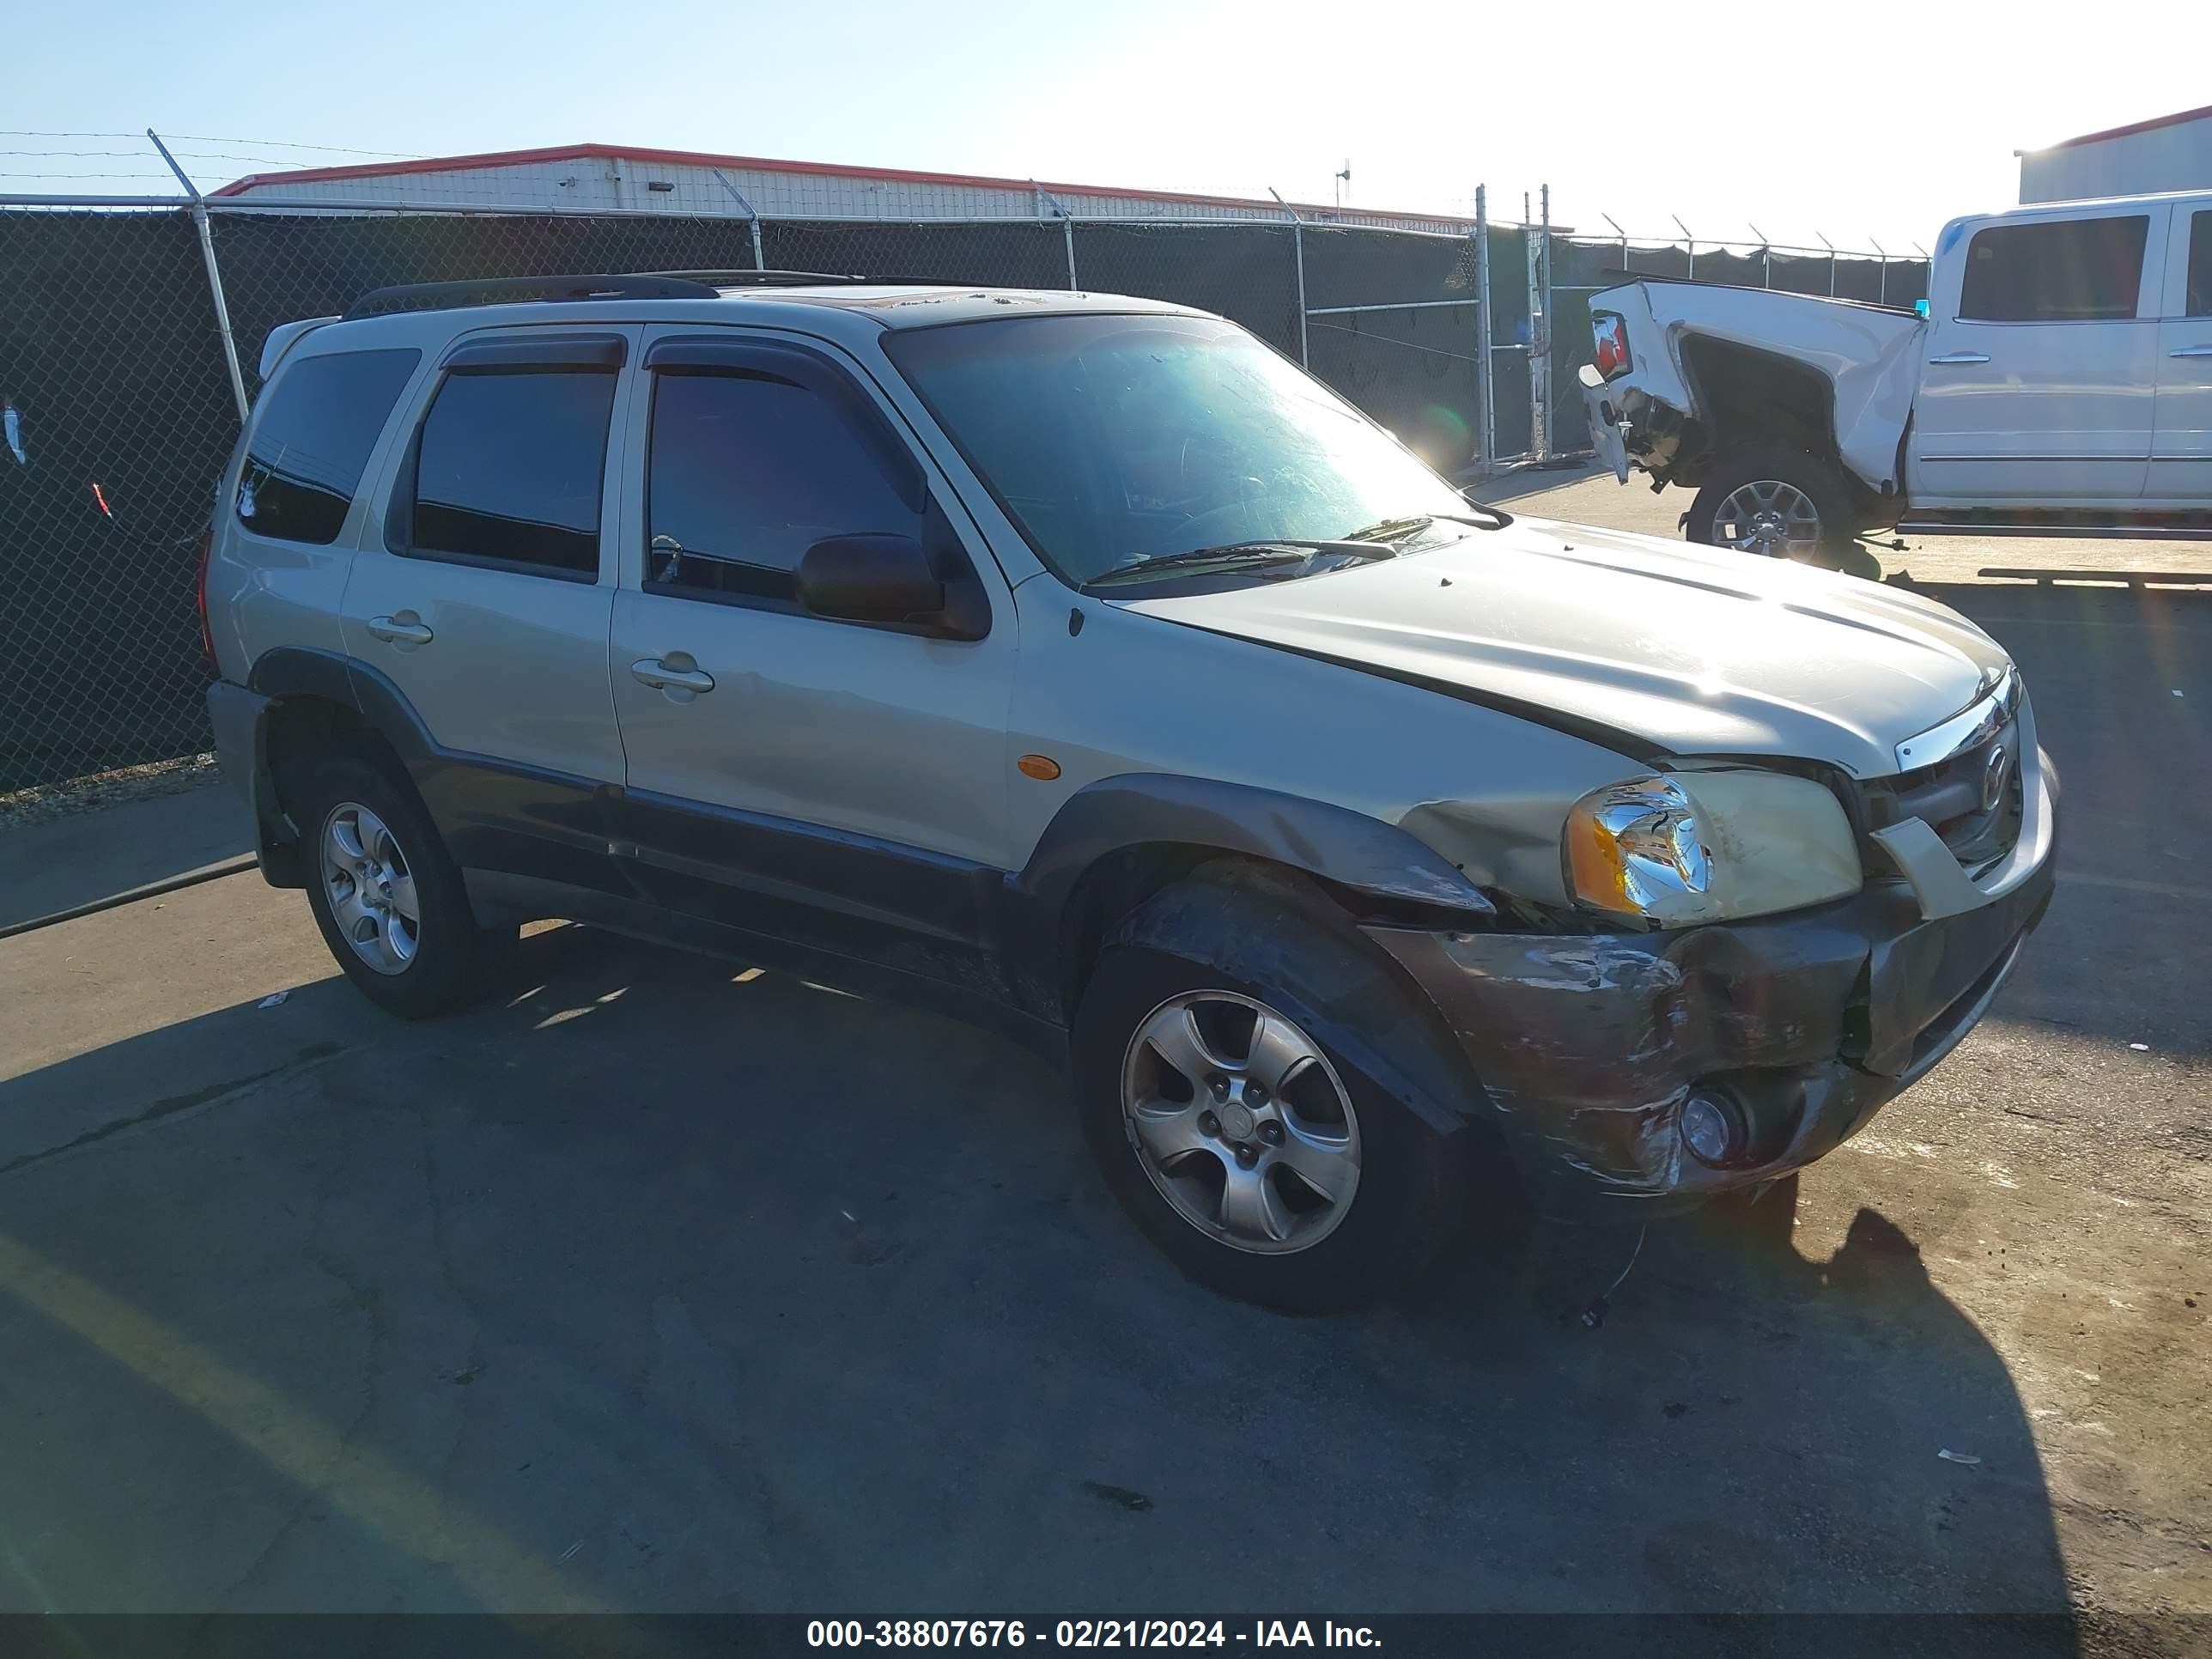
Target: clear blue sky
{"x":1860,"y":121}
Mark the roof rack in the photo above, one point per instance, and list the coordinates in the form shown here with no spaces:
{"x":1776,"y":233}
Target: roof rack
{"x":512,"y":290}
{"x":516,"y":290}
{"x":764,"y":278}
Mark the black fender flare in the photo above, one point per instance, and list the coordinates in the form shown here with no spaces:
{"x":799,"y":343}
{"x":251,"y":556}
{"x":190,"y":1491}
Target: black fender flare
{"x":298,"y":673}
{"x":290,"y":671}
{"x":1345,"y":848}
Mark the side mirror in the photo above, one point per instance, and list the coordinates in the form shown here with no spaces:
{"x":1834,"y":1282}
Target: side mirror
{"x":874,"y":578}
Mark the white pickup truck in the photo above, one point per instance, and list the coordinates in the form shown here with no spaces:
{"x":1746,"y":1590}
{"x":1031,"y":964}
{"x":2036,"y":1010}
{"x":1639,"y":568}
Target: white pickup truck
{"x":2058,"y":378}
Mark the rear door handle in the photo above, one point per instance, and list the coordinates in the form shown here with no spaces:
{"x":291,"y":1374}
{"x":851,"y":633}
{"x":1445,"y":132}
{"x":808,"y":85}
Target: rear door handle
{"x":405,"y":628}
{"x":2192,"y":351}
{"x":1961,"y":357}
{"x":661,"y":676}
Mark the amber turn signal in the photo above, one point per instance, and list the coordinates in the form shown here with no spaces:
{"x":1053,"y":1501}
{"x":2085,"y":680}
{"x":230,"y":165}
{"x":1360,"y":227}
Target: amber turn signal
{"x":1038,"y":765}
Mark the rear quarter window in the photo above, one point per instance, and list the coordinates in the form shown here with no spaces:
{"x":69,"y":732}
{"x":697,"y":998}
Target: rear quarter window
{"x":312,"y":439}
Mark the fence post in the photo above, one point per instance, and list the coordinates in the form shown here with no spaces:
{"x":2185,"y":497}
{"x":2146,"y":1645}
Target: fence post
{"x":1830,"y":247}
{"x":214,"y":276}
{"x":1067,"y":229}
{"x":1765,"y":256}
{"x":1691,"y":273}
{"x":1299,"y":253}
{"x":1884,"y":252}
{"x":759,"y":264}
{"x":1532,"y":248}
{"x":1544,"y":272}
{"x":1485,"y":408}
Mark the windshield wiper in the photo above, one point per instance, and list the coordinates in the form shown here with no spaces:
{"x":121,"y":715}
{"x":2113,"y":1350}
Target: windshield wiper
{"x":1392,"y":529}
{"x":1273,"y":550}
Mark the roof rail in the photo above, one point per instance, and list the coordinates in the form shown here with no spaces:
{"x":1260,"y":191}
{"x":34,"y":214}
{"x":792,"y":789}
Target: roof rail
{"x":764,"y":278}
{"x":512,"y":290}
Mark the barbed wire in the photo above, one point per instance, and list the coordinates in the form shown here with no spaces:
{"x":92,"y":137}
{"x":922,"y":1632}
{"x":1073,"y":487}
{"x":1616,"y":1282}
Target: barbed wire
{"x":134,"y":155}
{"x":209,"y":138}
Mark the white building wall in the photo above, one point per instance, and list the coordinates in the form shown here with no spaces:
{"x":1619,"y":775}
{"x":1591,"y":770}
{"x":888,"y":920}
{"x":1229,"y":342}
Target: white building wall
{"x":2174,"y":157}
{"x":603,"y":184}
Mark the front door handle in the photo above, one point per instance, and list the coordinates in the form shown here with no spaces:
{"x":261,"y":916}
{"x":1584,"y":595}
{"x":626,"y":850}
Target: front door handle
{"x":1961,"y":357}
{"x":2192,"y":351}
{"x":667,"y":677}
{"x":405,"y":628}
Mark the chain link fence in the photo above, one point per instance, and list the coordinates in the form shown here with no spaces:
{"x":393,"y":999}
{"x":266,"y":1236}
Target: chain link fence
{"x":119,"y":415}
{"x":119,"y":412}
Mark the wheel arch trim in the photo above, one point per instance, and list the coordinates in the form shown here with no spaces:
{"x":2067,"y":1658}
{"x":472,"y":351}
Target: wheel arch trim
{"x":1131,"y":812}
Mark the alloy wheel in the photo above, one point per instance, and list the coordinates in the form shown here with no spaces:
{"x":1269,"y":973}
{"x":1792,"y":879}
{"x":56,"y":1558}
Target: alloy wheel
{"x":1770,"y":517}
{"x":1241,"y":1122}
{"x":371,"y":887}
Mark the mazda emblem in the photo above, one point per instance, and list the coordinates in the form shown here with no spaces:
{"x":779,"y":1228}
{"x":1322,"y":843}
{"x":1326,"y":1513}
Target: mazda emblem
{"x":1994,"y":772}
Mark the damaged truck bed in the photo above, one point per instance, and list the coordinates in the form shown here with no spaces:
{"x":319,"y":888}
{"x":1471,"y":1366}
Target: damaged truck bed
{"x":2057,"y":376}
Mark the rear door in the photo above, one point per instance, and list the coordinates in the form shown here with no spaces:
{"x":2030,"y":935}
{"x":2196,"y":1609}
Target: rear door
{"x":2181,"y":459}
{"x":2041,"y":371}
{"x":484,"y":602}
{"x":839,"y":783}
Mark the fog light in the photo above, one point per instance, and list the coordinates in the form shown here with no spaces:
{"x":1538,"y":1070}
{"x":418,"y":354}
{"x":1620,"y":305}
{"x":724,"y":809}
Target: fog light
{"x":1712,"y":1128}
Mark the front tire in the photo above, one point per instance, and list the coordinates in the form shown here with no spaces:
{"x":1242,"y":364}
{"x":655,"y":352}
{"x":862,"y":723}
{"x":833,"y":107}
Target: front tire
{"x":1225,"y":1054}
{"x":387,"y":895}
{"x":1779,"y":501}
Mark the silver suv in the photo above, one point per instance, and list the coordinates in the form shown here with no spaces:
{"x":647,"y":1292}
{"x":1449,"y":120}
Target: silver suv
{"x":1077,"y":665}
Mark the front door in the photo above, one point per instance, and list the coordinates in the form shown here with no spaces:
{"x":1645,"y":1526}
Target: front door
{"x":840,"y":783}
{"x":2181,"y":458}
{"x":485,"y":599}
{"x":2038,"y":387}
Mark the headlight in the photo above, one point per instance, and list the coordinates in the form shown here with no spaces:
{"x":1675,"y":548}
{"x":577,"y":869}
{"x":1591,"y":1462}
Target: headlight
{"x":1694,"y":847}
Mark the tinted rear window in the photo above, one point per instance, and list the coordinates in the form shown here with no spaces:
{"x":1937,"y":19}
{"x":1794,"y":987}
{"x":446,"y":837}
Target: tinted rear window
{"x":2071,"y":270}
{"x":313,"y":437}
{"x":510,"y":469}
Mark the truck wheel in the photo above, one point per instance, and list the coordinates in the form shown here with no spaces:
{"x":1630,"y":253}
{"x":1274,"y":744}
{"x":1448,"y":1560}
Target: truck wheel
{"x":387,"y":895}
{"x":1780,"y":502}
{"x":1225,"y":1056}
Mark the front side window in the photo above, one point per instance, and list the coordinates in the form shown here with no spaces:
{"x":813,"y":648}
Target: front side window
{"x":1114,"y":440}
{"x":2199,"y":266}
{"x":510,"y":470}
{"x":746,"y":471}
{"x":312,"y":439}
{"x":2068,"y":271}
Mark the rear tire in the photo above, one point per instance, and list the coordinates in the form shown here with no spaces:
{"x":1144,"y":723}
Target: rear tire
{"x":1239,"y":957}
{"x":1779,"y":501}
{"x":372,"y":857}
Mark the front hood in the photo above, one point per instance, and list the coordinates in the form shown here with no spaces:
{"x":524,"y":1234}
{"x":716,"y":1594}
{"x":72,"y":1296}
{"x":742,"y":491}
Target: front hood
{"x":1687,"y":649}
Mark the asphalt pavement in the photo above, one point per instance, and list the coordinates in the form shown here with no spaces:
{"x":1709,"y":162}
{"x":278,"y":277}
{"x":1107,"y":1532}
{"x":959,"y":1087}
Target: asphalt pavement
{"x":657,"y":1284}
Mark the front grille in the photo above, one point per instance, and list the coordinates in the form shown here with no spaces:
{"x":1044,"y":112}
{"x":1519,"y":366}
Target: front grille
{"x":1948,"y":797}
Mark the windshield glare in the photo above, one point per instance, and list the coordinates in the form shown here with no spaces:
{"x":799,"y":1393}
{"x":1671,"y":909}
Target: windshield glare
{"x":1112,"y":438}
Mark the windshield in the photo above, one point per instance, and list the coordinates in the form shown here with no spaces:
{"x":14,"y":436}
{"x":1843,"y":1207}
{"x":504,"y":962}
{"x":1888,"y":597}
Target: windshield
{"x":1113,"y":439}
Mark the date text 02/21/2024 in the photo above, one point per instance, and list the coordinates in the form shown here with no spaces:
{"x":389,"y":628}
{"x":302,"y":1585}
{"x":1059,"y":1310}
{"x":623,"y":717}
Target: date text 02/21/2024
{"x":1084,"y":1633}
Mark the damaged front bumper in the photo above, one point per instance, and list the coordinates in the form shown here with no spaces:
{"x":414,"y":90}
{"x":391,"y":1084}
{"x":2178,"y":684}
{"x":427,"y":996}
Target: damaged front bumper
{"x":1587,"y":1046}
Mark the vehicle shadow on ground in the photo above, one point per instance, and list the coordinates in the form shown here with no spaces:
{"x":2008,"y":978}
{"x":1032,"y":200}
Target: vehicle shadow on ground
{"x":647,"y":1287}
